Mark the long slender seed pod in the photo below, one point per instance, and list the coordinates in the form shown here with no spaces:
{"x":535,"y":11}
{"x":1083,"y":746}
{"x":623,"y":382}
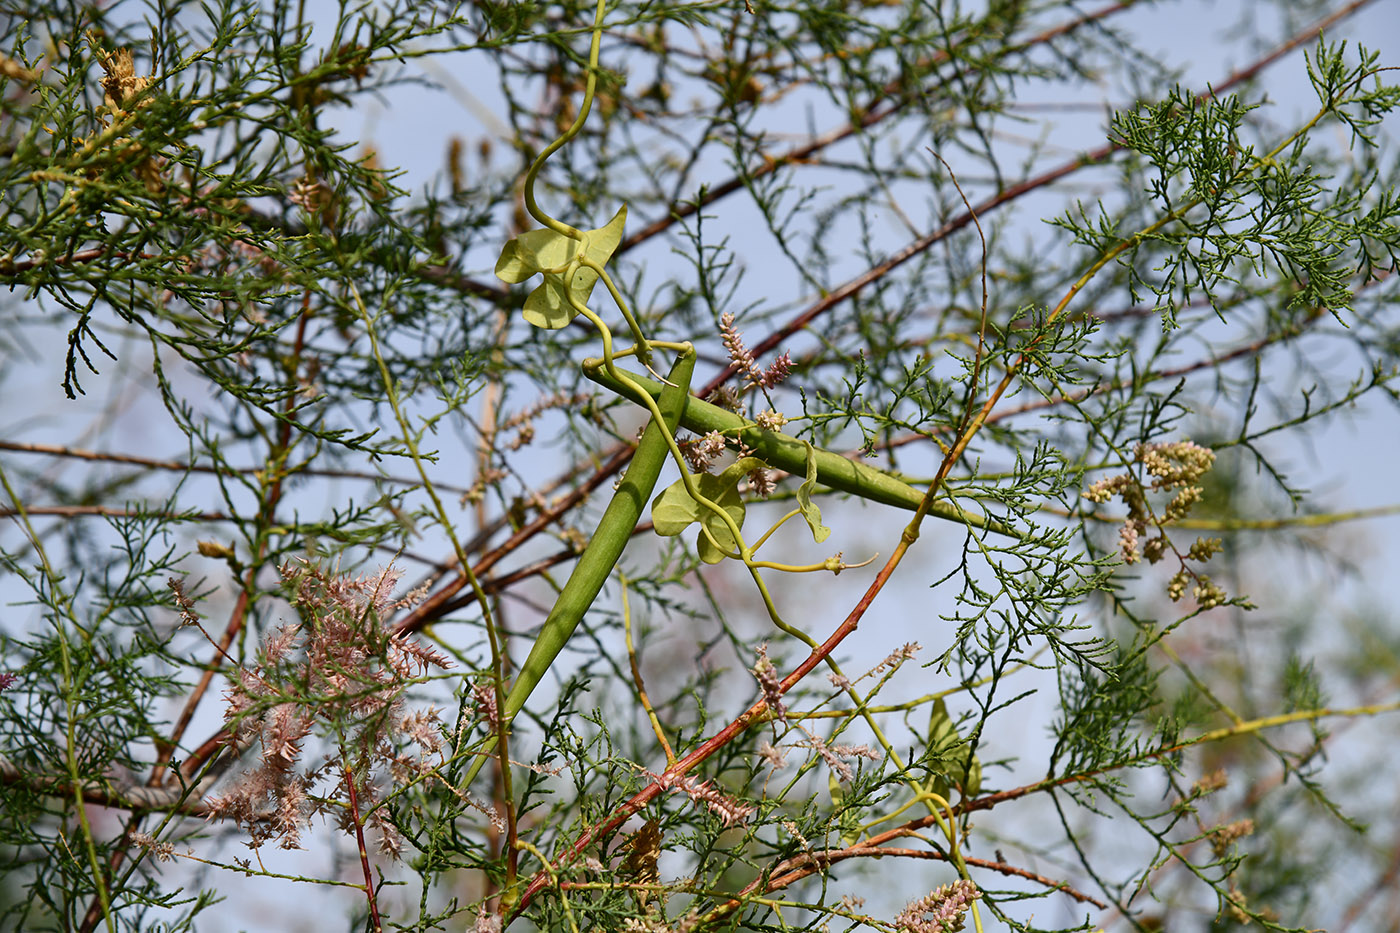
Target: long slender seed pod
{"x":789,"y":454}
{"x":603,"y":549}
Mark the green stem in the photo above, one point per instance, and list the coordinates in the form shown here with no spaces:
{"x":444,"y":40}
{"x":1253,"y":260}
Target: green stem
{"x":787,"y":453}
{"x":531,"y":204}
{"x":61,"y":604}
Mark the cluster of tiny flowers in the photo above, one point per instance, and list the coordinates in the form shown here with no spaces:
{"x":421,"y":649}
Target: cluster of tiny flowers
{"x":120,"y":81}
{"x":487,"y":922}
{"x":771,"y":684}
{"x":1173,"y":467}
{"x":1207,"y":594}
{"x":939,"y":912}
{"x":371,"y":592}
{"x":770,"y":420}
{"x":730,"y":811}
{"x":309,"y":195}
{"x":523,"y":423}
{"x":485,"y":696}
{"x":761,"y":482}
{"x":895,"y":658}
{"x":342,"y":657}
{"x":1108,"y":487}
{"x":904,"y":652}
{"x":741,"y":358}
{"x":163,"y":851}
{"x":834,"y":755}
{"x":1224,"y":836}
{"x":121,"y":85}
{"x":701,"y":452}
{"x":774,"y":756}
{"x":421,"y":727}
{"x":1239,"y":910}
{"x":1204,"y":549}
{"x":484,"y":480}
{"x":182,"y":602}
{"x":6,"y":679}
{"x":796,"y":833}
{"x":1210,"y":783}
{"x":728,"y":398}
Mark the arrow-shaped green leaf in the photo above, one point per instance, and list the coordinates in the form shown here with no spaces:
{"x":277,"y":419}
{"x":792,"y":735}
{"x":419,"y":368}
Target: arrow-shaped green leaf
{"x":810,"y":510}
{"x":950,"y":756}
{"x":673,"y":511}
{"x":559,"y":258}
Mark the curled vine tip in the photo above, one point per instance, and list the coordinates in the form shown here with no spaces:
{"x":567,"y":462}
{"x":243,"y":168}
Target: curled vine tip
{"x":836,"y":564}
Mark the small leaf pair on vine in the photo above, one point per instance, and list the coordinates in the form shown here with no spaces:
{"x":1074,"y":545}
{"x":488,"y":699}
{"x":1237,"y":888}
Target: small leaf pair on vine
{"x":571,"y":266}
{"x":675,"y":510}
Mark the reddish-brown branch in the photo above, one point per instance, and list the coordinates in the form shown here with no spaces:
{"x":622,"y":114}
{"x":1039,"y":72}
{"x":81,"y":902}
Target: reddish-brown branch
{"x":854,"y":286}
{"x":271,"y":498}
{"x":74,"y":511}
{"x":729,"y":732}
{"x":793,"y":870}
{"x":618,"y":456}
{"x":375,"y":923}
{"x":176,"y":466}
{"x":1073,"y":398}
{"x":461,"y":283}
{"x":1314,"y":316}
{"x":134,"y":797}
{"x":80,"y":256}
{"x":434,"y":606}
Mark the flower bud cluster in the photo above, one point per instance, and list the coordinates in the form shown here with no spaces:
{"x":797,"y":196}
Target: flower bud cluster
{"x":1175,"y":468}
{"x":338,"y":672}
{"x":941,"y":911}
{"x":701,"y":453}
{"x":741,"y":358}
{"x":770,"y":420}
{"x":1227,"y":834}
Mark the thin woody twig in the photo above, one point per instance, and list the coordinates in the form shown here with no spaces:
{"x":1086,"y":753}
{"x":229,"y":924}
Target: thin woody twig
{"x":58,"y":450}
{"x":795,"y":869}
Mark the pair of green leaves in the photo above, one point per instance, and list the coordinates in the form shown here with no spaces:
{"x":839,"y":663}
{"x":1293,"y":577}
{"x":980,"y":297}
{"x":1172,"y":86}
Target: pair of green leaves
{"x":674,"y":510}
{"x":559,"y":257}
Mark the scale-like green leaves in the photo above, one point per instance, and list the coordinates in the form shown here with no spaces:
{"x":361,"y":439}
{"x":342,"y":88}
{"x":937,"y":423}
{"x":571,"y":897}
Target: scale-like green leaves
{"x":559,"y":257}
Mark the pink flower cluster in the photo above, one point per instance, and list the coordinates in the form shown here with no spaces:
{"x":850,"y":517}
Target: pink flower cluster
{"x":741,"y":358}
{"x":337,"y":669}
{"x":730,"y":811}
{"x":941,"y":911}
